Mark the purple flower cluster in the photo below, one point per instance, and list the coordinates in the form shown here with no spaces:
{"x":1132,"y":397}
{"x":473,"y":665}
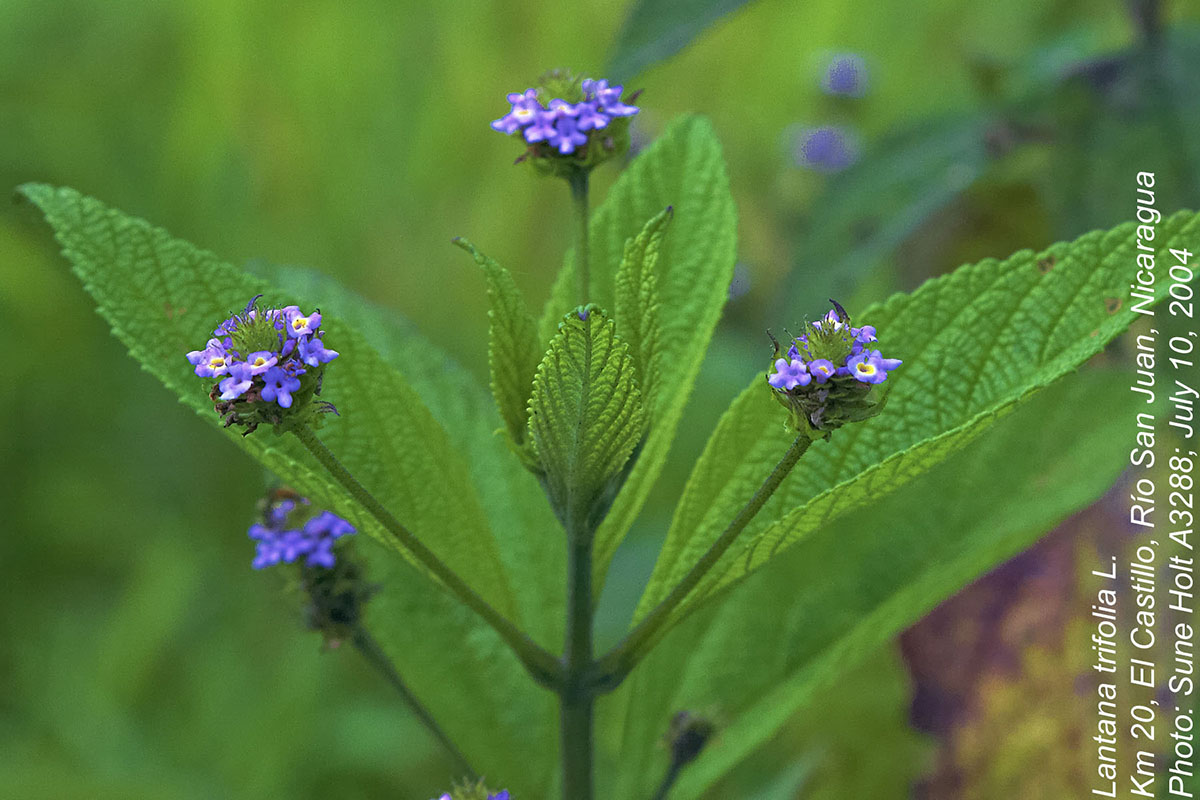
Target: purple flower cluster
{"x":833,"y":148}
{"x":503,"y":795}
{"x":845,"y":76}
{"x":291,"y":531}
{"x":800,"y":368}
{"x":262,"y":354}
{"x":561,"y":125}
{"x":828,"y":148}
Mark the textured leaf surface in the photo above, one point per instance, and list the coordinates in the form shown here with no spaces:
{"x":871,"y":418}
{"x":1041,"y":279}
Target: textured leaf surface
{"x":976,"y":343}
{"x":637,"y":308}
{"x":775,"y":643}
{"x":658,"y":29}
{"x":163,"y":297}
{"x":491,"y":708}
{"x":585,"y":416}
{"x":529,"y":537}
{"x":683,"y":169}
{"x":514,"y":349}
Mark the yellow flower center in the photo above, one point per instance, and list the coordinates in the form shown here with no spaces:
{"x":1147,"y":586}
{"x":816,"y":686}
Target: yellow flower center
{"x":865,"y":368}
{"x":217,"y":361}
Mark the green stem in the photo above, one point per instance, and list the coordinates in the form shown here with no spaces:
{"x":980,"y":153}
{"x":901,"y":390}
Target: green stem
{"x":612,"y":668}
{"x":577,"y":696}
{"x":544,"y":668}
{"x":578,"y":181}
{"x":668,"y":780}
{"x":373,"y":653}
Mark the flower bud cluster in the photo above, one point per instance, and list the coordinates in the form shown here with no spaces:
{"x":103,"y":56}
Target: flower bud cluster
{"x":584,"y":120}
{"x":292,"y":529}
{"x":827,"y":373}
{"x":266,"y":359}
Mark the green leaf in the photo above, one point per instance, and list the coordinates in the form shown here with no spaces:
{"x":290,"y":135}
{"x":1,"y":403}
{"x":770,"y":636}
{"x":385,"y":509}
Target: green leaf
{"x":683,"y":169}
{"x":585,"y":416}
{"x":514,"y":349}
{"x":637,"y":308}
{"x":658,"y":29}
{"x":854,"y":583}
{"x":975,"y":344}
{"x":491,"y":708}
{"x":530,"y":539}
{"x":163,"y":296}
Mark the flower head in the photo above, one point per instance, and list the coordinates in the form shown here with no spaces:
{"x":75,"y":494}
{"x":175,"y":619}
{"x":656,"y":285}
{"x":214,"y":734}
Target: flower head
{"x":826,"y":375}
{"x":845,"y":76}
{"x":568,"y":123}
{"x":827,"y":148}
{"x":268,"y":359}
{"x":292,"y":529}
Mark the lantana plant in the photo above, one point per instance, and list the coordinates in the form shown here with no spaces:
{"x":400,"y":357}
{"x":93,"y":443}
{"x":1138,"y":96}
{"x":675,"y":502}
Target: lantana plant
{"x":459,"y":542}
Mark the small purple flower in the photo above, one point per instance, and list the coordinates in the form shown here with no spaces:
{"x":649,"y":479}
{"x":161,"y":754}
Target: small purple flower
{"x":212,"y":361}
{"x":299,"y":325}
{"x":871,"y":367}
{"x":562,"y":108}
{"x":499,"y":795}
{"x":327,"y":524}
{"x":846,"y":76}
{"x":525,"y":108}
{"x":266,"y":553}
{"x":542,"y":128}
{"x":279,"y":387}
{"x":609,"y":99}
{"x":321,"y":554}
{"x":278,"y":513}
{"x":830,"y":322}
{"x":864,"y":335}
{"x":566,"y":136}
{"x":888,"y":364}
{"x":590,"y":118}
{"x":314,"y":353}
{"x":238,"y":383}
{"x":292,"y":545}
{"x":822,"y":370}
{"x":825,"y":149}
{"x":789,"y":374}
{"x":261,"y":361}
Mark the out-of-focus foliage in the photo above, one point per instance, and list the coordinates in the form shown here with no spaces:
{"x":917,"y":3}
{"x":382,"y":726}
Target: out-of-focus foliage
{"x":655,"y":30}
{"x":140,"y":655}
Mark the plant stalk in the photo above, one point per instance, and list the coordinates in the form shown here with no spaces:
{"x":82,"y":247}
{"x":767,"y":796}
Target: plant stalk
{"x":373,"y":653}
{"x":578,"y":181}
{"x":577,"y":697}
{"x":668,"y":781}
{"x":613,"y":667}
{"x":544,"y":668}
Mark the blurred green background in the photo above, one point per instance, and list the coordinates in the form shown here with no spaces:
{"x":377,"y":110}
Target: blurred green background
{"x":140,"y":655}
